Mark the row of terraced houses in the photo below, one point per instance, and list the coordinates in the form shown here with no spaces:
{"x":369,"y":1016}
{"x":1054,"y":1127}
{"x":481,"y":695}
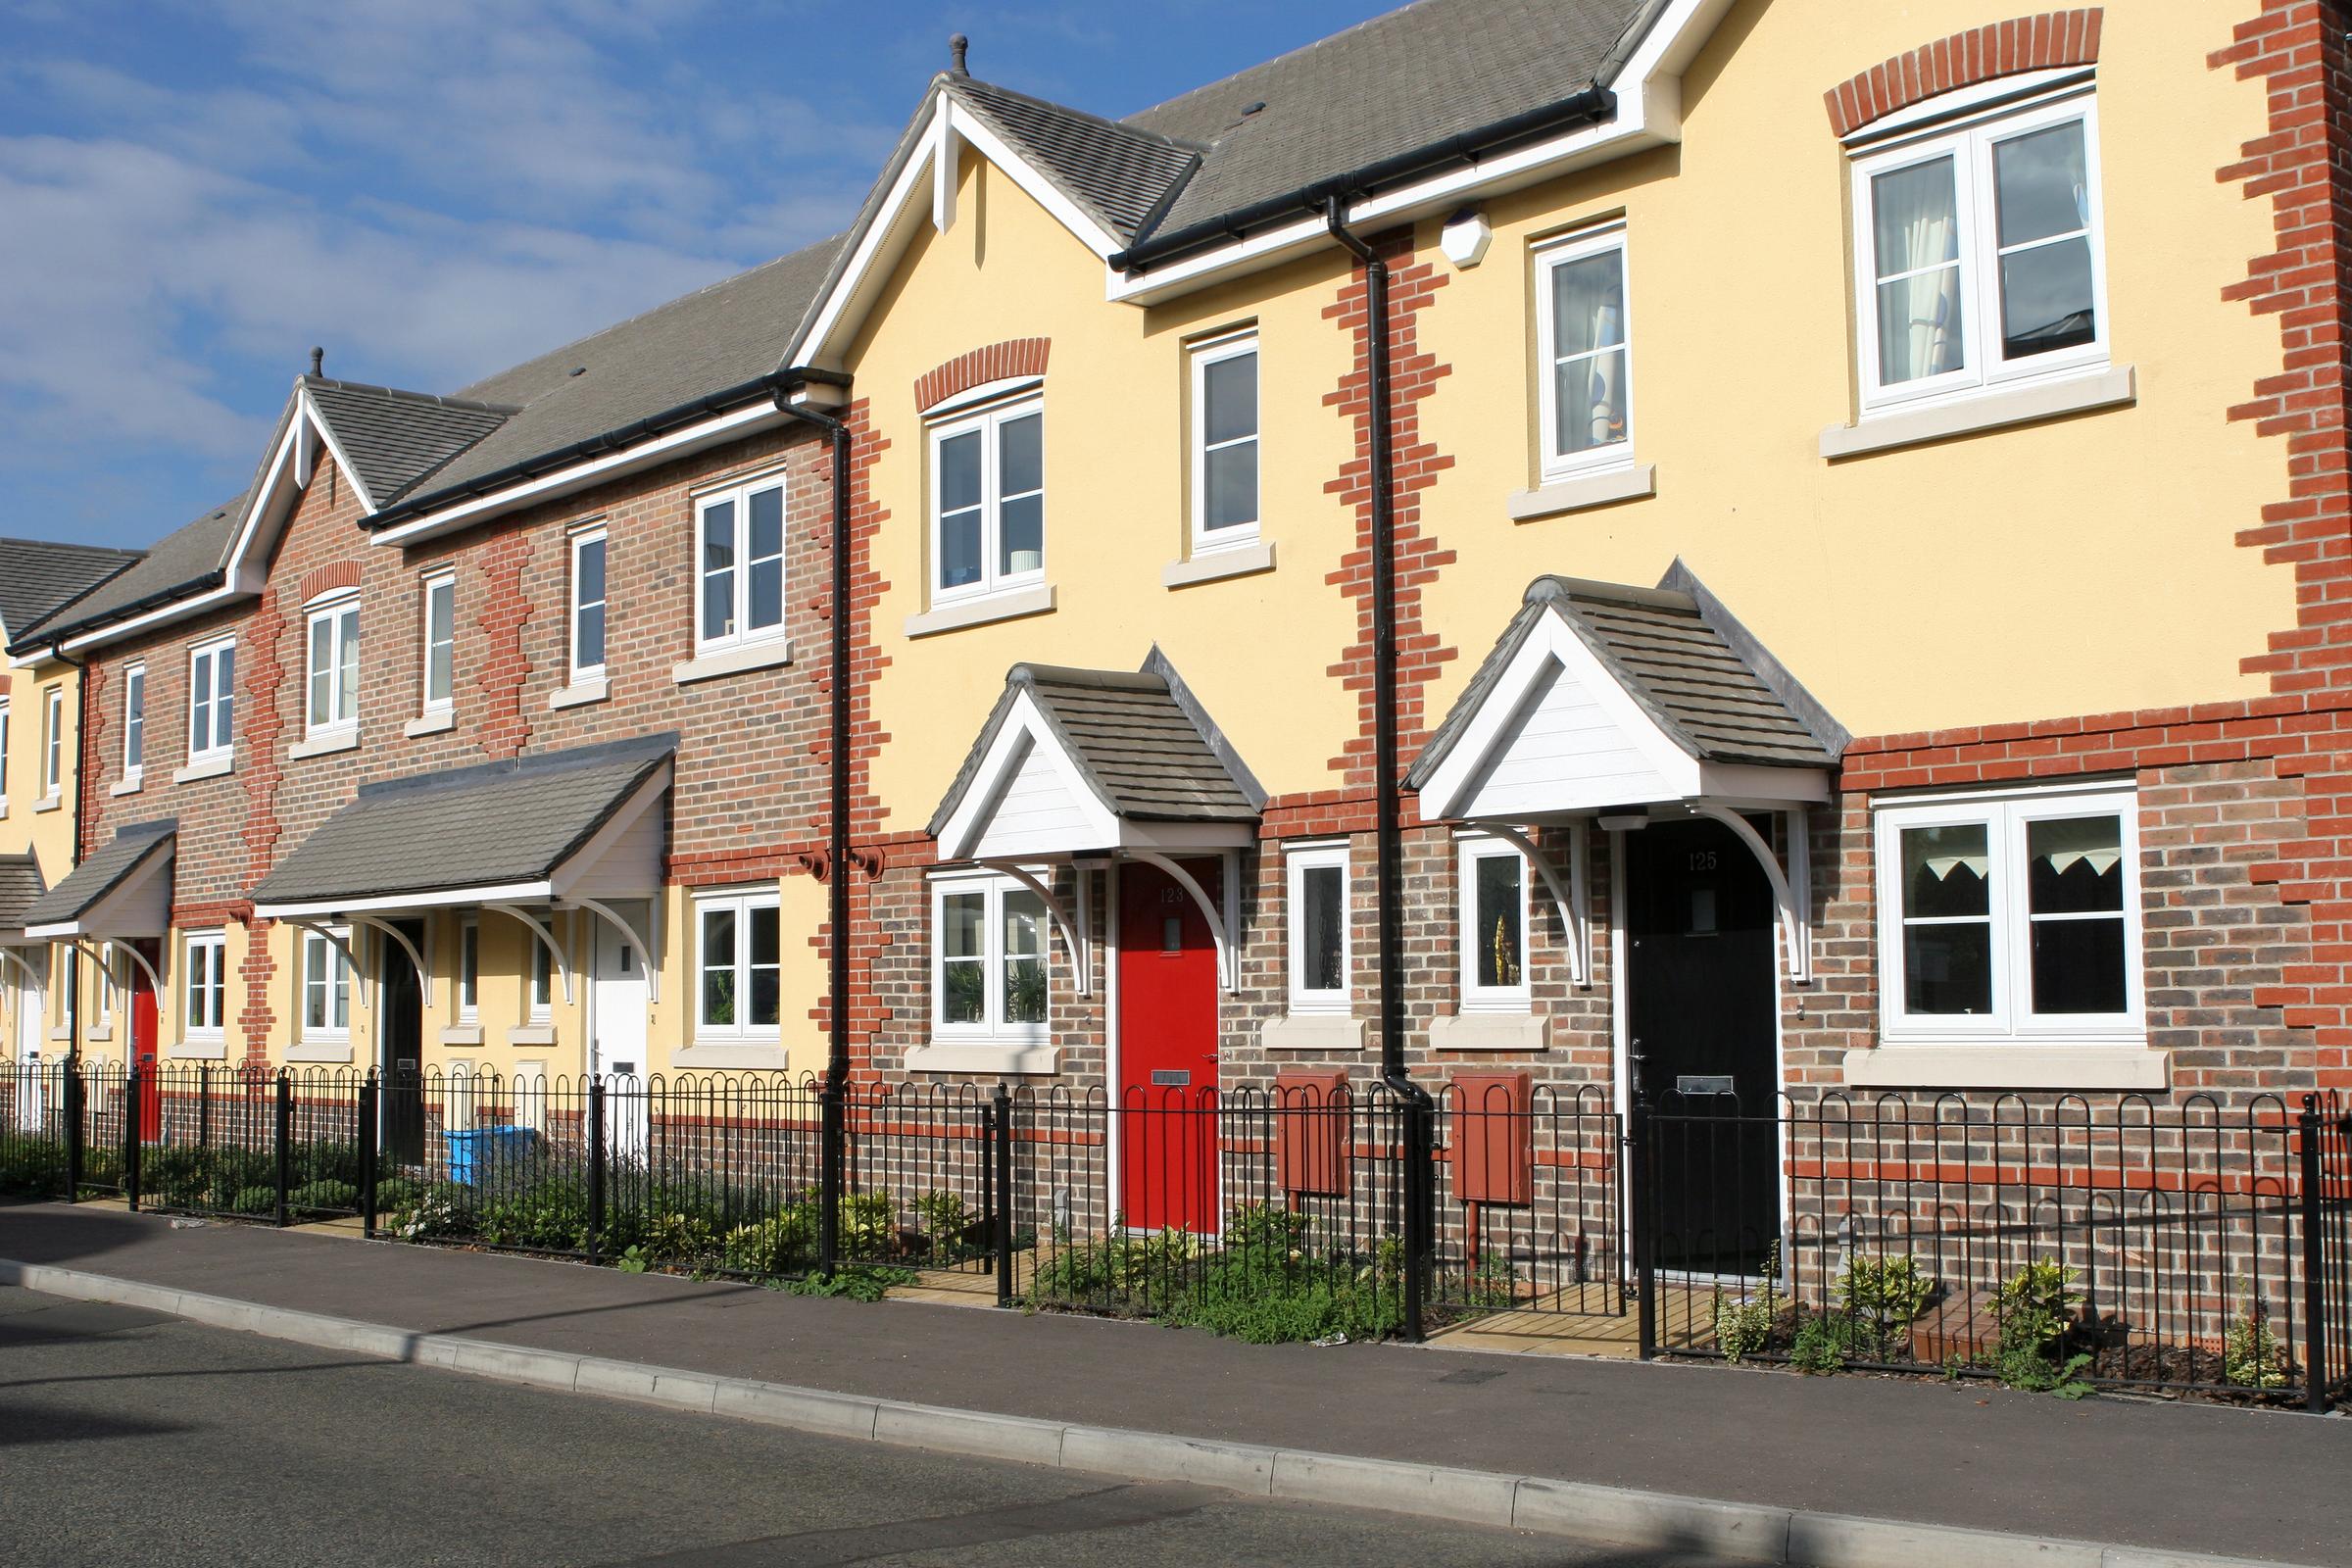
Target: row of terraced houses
{"x":1832,"y":521}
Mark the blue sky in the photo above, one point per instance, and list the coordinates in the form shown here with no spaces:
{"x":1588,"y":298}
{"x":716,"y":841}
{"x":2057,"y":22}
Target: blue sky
{"x":193,"y":194}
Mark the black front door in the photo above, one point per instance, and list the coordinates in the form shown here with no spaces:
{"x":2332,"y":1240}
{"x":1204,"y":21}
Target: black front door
{"x":400,"y":1041}
{"x":1700,"y":1005}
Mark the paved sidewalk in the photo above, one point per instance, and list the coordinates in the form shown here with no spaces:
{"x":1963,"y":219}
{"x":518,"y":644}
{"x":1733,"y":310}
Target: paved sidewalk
{"x":2180,"y":1477}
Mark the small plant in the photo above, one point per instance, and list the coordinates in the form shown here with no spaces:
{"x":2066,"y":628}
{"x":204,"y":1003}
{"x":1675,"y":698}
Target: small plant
{"x":776,"y":1244}
{"x":2253,"y":1356}
{"x":323,"y":1196}
{"x":944,"y":1215}
{"x":633,"y":1262}
{"x":859,"y":1281}
{"x":1819,"y":1347}
{"x":255,"y":1200}
{"x":2036,"y":1308}
{"x":1743,"y":1325}
{"x":1891,"y":1290}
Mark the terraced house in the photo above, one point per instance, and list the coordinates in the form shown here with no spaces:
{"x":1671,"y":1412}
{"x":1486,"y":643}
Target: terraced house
{"x":1526,"y":553}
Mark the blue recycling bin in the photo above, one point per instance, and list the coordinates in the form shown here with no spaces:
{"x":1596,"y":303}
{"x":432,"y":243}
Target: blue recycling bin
{"x":475,"y":1153}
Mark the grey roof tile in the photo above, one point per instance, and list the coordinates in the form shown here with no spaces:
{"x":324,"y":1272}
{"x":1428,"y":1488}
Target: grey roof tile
{"x":1118,"y":174}
{"x":38,"y":577}
{"x":493,"y":823}
{"x":103,"y":870}
{"x":21,"y":882}
{"x":396,"y":438}
{"x":183,"y":561}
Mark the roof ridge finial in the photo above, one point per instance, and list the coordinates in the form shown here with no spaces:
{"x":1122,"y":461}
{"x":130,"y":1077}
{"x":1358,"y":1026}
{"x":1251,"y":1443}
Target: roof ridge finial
{"x":317,"y":360}
{"x":959,"y":47}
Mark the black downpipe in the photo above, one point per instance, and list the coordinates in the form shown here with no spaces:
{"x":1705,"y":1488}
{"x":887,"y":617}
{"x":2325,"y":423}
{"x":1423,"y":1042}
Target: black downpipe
{"x":82,"y":736}
{"x":1388,"y":884}
{"x":833,"y":1124}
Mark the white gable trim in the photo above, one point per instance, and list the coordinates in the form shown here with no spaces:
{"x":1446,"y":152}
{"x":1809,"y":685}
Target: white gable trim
{"x":622,"y":859}
{"x":1024,"y":734}
{"x":140,"y":906}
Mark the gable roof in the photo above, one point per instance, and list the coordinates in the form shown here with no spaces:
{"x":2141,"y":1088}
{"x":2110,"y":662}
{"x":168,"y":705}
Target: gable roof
{"x":1705,"y":684}
{"x":184,"y":561}
{"x":1121,"y":175}
{"x":38,"y":577}
{"x":21,"y":882}
{"x":394,"y":439}
{"x":110,"y":866}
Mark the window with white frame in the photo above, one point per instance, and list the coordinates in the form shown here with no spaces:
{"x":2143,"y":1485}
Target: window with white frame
{"x":440,"y":642}
{"x":469,"y":971}
{"x":988,"y":960}
{"x":1320,"y":944}
{"x":739,"y":549}
{"x":3,"y":752}
{"x":203,"y":987}
{"x":1225,"y":441}
{"x":53,"y":743}
{"x":325,"y":988}
{"x":2011,"y":917}
{"x":988,"y":500}
{"x":738,"y":950}
{"x":135,"y":721}
{"x":1586,"y":386}
{"x":1979,"y":254}
{"x":1492,"y":886}
{"x":542,"y":1000}
{"x":211,"y":699}
{"x":110,"y":975}
{"x":334,"y":666}
{"x":587,"y":605}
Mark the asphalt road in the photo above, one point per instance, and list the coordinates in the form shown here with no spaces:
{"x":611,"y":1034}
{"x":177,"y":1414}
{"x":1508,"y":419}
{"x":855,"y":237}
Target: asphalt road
{"x":129,"y":1437}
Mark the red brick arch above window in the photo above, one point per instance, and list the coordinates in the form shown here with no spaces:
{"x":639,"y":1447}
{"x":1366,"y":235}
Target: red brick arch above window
{"x":329,"y":577}
{"x":2041,"y":42}
{"x":999,"y":362}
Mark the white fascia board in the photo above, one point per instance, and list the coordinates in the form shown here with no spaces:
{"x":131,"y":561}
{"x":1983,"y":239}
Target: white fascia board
{"x":681,"y":442}
{"x":438,"y":898}
{"x":586,"y":857}
{"x":179,"y":610}
{"x":310,"y":412}
{"x":1042,"y":190}
{"x":880,"y":245}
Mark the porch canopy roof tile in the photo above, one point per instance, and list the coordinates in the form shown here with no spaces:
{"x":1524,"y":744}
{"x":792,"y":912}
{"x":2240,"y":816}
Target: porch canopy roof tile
{"x":1074,"y":760}
{"x":21,"y":882}
{"x":121,"y":890}
{"x":526,"y":829}
{"x":1601,"y":695}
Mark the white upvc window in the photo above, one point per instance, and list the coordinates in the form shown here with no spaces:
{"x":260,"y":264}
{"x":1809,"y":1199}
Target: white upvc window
{"x":469,"y":971}
{"x":738,"y":954}
{"x":211,"y":699}
{"x":739,"y":553}
{"x":1979,"y":255}
{"x":1225,"y":442}
{"x":586,"y":637}
{"x":4,"y":742}
{"x":2011,"y":916}
{"x":440,"y":642}
{"x":988,"y":501}
{"x":109,"y":977}
{"x":988,"y":960}
{"x":135,"y":722}
{"x":542,"y":1000}
{"x":333,"y":666}
{"x":204,"y":986}
{"x":53,"y":743}
{"x":325,"y":988}
{"x":1490,"y":884}
{"x":1321,"y":945}
{"x":1585,"y":388}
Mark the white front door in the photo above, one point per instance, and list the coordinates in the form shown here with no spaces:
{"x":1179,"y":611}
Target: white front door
{"x":616,"y":1034}
{"x":31,"y":1004}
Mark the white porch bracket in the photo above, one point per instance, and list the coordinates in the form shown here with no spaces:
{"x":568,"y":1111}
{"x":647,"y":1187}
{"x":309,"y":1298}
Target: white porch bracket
{"x":1073,"y":936}
{"x":1229,"y":965}
{"x":652,"y":960}
{"x":1576,"y":916}
{"x":1792,"y":889}
{"x":12,"y":955}
{"x":341,"y":945}
{"x":106,"y":973}
{"x":547,"y":939}
{"x":392,"y":933}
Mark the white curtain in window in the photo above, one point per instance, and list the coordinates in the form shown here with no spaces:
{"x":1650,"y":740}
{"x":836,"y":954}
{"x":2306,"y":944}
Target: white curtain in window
{"x":1918,"y":249}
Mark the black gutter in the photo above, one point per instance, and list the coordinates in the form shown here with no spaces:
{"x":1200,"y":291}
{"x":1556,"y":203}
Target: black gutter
{"x":49,"y":637}
{"x":1593,"y":103}
{"x":81,"y":741}
{"x":772,"y":386}
{"x":1389,"y":885}
{"x":832,"y":1100}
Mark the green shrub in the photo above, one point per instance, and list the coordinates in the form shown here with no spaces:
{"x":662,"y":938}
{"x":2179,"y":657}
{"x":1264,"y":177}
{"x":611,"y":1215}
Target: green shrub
{"x":1820,"y":1343}
{"x":1891,"y":1290}
{"x":780,"y":1244}
{"x":35,"y":1165}
{"x":859,"y":1281}
{"x":2253,"y":1356}
{"x":869,"y":1224}
{"x":395,"y":1193}
{"x":943,"y":1216}
{"x":255,"y":1200}
{"x":1743,"y":1325}
{"x":323,"y":1196}
{"x":2036,"y":1306}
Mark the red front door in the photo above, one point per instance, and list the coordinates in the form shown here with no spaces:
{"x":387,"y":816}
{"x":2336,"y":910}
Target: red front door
{"x":1167,"y":1050}
{"x":142,"y":1045}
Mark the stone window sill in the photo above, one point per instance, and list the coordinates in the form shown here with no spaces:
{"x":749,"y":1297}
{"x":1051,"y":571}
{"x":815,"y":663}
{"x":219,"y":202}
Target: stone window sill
{"x":335,"y":1052}
{"x":62,"y":1031}
{"x":1995,"y":410}
{"x":432,"y":723}
{"x":131,"y":784}
{"x":717,"y":1057}
{"x":2014,"y":1064}
{"x":537,"y":1034}
{"x":770,"y":655}
{"x":100,"y":1031}
{"x":462,"y":1034}
{"x":327,"y":745}
{"x":981,"y":611}
{"x":984,"y":1056}
{"x":48,"y":802}
{"x":1217,"y":565}
{"x":206,"y":767}
{"x":1582,"y":491}
{"x":1310,"y":1031}
{"x":1491,"y":1031}
{"x":580,"y":693}
{"x":198,"y":1050}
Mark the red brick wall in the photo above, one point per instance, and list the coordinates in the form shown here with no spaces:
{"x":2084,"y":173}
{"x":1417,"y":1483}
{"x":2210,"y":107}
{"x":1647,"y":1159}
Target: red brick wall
{"x":2038,"y":43}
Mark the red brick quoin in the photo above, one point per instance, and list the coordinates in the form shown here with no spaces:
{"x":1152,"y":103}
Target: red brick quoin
{"x":999,"y":362}
{"x":1998,"y":49}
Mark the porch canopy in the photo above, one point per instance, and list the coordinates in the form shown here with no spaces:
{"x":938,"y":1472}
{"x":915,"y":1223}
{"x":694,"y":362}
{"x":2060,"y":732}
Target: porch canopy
{"x":21,"y":882}
{"x":519,"y":837}
{"x":121,"y":893}
{"x":1606,"y":701}
{"x":1078,"y":762}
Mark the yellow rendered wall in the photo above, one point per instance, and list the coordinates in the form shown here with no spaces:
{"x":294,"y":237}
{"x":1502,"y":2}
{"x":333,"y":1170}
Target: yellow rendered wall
{"x":48,"y":835}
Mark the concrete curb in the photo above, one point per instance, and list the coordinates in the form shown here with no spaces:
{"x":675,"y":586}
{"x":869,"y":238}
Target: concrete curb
{"x":1598,"y":1515}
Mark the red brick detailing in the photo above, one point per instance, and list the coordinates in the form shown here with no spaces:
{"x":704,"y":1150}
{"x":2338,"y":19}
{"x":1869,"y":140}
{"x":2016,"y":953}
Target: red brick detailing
{"x":90,"y":754}
{"x":1998,"y":49}
{"x":1417,"y":462}
{"x":1020,"y":356}
{"x":505,"y":727}
{"x":259,"y":971}
{"x":327,"y":578}
{"x":229,"y":911}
